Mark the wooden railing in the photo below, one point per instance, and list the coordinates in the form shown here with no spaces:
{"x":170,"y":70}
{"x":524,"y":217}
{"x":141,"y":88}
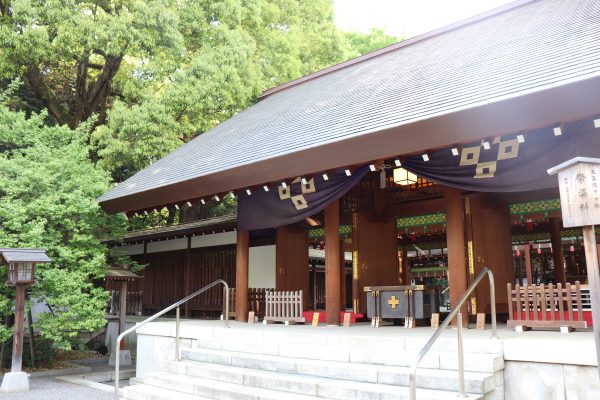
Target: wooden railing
{"x":256,"y":301}
{"x":284,"y":307}
{"x":546,"y":306}
{"x":133,"y":303}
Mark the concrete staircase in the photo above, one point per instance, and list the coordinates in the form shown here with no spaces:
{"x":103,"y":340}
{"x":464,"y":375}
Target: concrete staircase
{"x":263,"y":364}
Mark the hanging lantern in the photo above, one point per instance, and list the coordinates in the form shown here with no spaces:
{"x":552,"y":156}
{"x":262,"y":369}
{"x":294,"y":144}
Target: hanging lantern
{"x":404,"y":177}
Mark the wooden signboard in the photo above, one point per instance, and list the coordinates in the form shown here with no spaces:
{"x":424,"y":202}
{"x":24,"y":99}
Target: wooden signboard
{"x":579,"y":184}
{"x":315,"y":320}
{"x":347,"y":317}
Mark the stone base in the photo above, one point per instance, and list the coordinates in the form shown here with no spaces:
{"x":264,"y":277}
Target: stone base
{"x":124,"y":358}
{"x":15,"y":382}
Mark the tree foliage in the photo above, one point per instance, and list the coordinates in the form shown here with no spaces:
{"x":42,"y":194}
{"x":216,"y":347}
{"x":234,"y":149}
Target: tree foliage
{"x":48,"y":188}
{"x":110,"y":86}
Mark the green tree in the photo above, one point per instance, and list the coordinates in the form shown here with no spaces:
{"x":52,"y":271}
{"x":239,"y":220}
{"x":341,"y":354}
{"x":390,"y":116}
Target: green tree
{"x":68,"y":52}
{"x":111,"y":86}
{"x":362,"y":43}
{"x":48,"y":188}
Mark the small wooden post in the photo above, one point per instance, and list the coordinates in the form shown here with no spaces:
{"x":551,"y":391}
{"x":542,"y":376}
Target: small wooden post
{"x":315,"y":320}
{"x":579,"y":185}
{"x":347,"y":317}
{"x":435,"y":320}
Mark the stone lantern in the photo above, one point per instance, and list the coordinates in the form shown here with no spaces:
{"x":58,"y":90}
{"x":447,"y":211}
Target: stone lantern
{"x":21,"y":272}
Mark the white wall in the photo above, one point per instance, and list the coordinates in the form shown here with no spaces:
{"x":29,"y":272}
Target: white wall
{"x":127,"y":250}
{"x":167,"y":245}
{"x":216,"y":239}
{"x":261,"y":269}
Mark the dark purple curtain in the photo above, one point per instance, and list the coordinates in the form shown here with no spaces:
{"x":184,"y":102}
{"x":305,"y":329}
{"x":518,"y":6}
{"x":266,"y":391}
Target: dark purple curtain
{"x":513,"y":163}
{"x":283,"y":206}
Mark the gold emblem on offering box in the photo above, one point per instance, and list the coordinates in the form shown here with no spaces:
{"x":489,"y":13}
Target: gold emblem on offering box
{"x":393,"y":302}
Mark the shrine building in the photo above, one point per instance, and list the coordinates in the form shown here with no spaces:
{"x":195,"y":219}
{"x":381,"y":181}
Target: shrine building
{"x":420,"y":163}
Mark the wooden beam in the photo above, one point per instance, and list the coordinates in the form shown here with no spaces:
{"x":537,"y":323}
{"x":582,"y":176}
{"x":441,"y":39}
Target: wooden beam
{"x":332,"y":263}
{"x":557,"y":251}
{"x":455,"y":237}
{"x":241,"y":275}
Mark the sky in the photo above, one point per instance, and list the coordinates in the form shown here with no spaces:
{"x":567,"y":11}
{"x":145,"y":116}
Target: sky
{"x":406,"y":18}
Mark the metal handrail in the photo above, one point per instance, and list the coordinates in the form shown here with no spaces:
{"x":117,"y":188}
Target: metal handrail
{"x":455,"y":312}
{"x":164,"y":311}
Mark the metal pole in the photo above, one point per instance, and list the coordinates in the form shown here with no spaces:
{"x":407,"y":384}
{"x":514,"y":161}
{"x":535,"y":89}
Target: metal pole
{"x":461,"y":361}
{"x":157,"y":315}
{"x":117,"y":365}
{"x":177,"y":334}
{"x":226,"y":289}
{"x":591,"y":260}
{"x":493,"y":304}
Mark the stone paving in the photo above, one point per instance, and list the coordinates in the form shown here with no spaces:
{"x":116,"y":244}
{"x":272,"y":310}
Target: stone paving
{"x":52,"y":389}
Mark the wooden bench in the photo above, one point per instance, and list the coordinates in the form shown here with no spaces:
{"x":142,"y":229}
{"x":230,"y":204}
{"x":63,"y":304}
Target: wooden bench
{"x":545,"y":306}
{"x":284,"y":307}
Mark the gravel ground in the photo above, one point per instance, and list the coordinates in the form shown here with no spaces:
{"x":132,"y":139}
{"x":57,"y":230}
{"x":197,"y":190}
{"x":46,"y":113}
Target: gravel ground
{"x":52,"y":389}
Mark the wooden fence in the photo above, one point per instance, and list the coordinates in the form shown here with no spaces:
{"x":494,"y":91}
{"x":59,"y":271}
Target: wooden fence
{"x":256,"y":301}
{"x":133,"y":304}
{"x":546,"y":306}
{"x":284,"y":307}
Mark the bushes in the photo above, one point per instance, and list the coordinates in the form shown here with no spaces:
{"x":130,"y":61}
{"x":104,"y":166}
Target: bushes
{"x":43,"y":349}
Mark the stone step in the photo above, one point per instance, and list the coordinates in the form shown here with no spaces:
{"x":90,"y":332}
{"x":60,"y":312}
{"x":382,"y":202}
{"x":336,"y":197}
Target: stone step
{"x":269,"y":342}
{"x":322,"y":388}
{"x":287,"y":356}
{"x":304,"y":376}
{"x":147,"y":392}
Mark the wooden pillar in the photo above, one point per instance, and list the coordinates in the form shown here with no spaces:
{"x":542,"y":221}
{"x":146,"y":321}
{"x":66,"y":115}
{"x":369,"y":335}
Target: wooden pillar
{"x":342,"y":276}
{"x":188,"y":276}
{"x":455,"y":237}
{"x":122,"y":306}
{"x":332,"y":263}
{"x":527,"y":251}
{"x":241,"y":275}
{"x":17,"y":355}
{"x":557,"y":251}
{"x":405,"y":266}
